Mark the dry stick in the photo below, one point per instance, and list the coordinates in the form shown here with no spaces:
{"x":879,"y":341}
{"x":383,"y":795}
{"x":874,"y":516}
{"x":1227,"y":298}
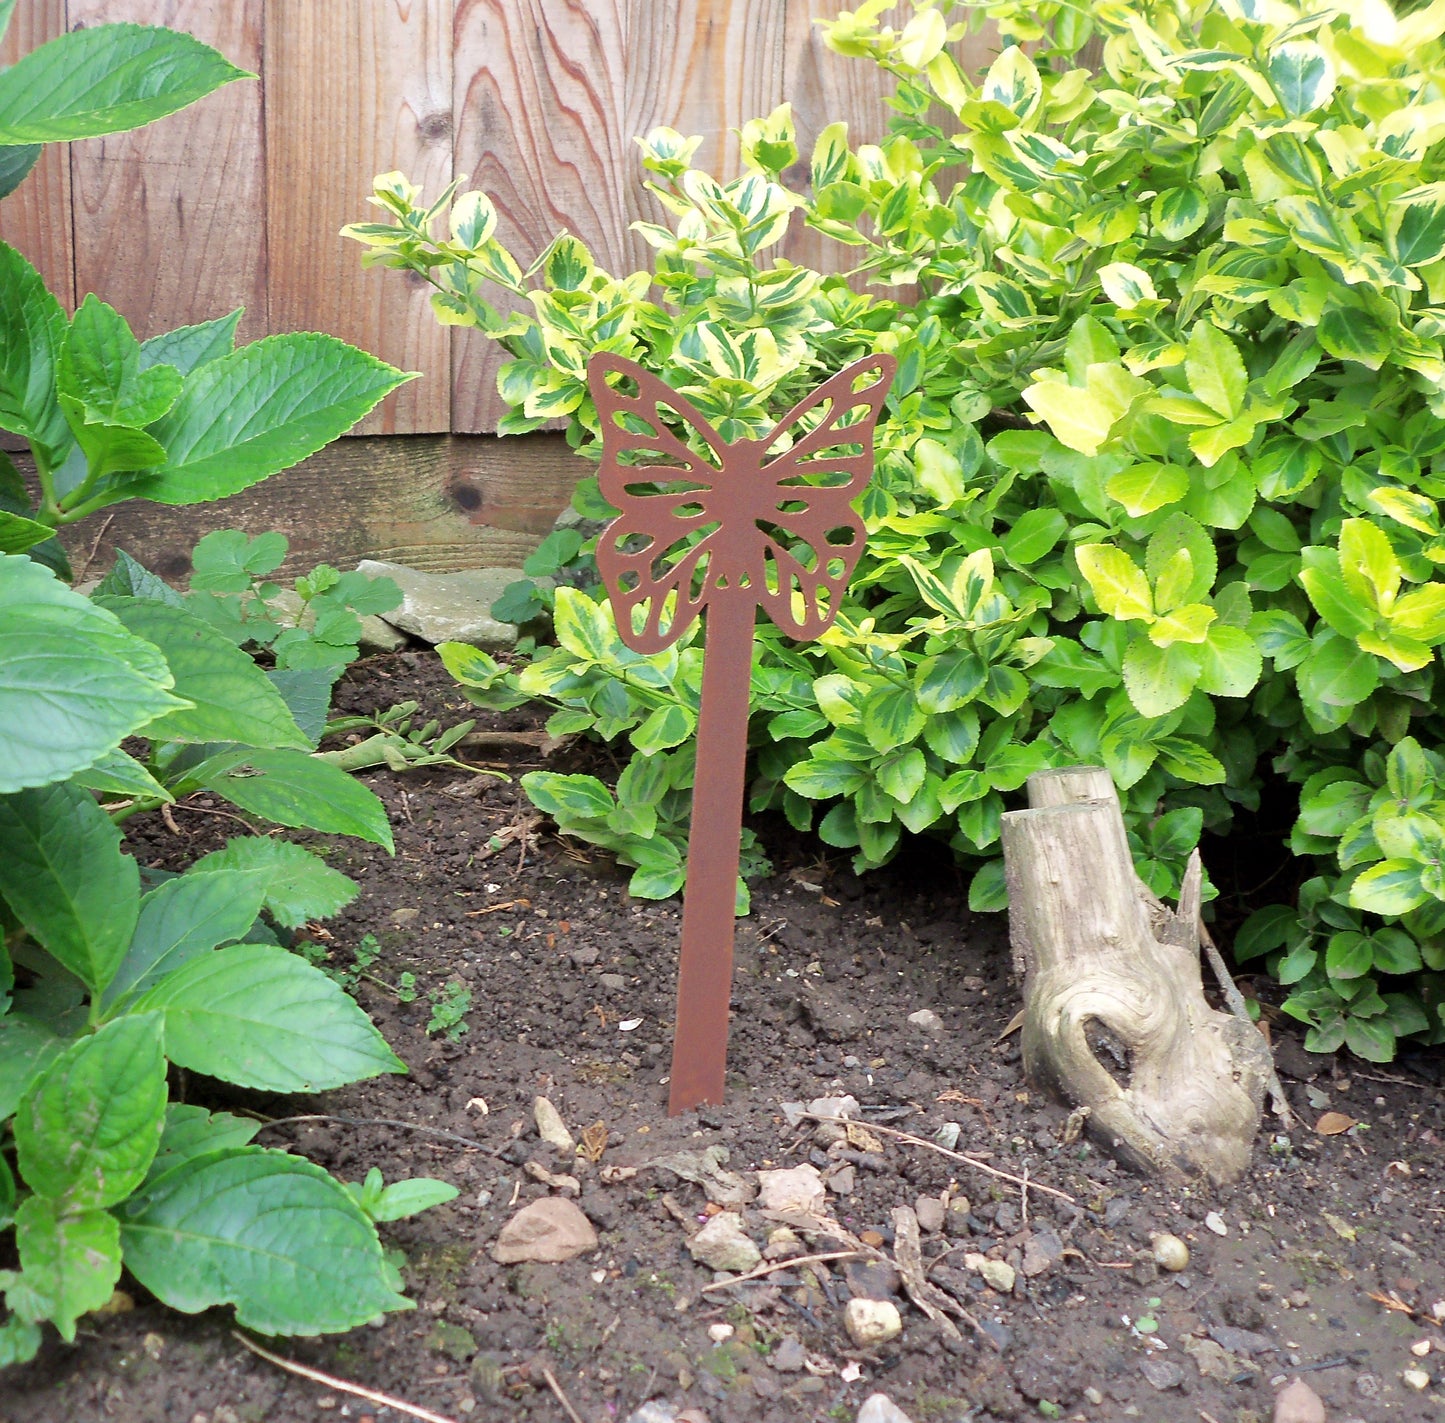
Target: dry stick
{"x":561,"y":1397}
{"x":1279,"y":1103}
{"x":468,"y":1141}
{"x":978,"y":1165}
{"x":786,"y":1265}
{"x":384,"y":1400}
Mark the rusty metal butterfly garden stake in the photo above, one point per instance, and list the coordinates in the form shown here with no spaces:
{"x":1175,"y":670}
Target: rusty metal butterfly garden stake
{"x":726,"y":527}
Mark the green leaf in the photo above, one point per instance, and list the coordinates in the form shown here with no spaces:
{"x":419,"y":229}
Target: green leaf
{"x":17,"y":533}
{"x":583,"y":627}
{"x":15,"y":165}
{"x":1323,"y":580}
{"x":1176,"y":833}
{"x":263,"y":1018}
{"x":948,"y":681}
{"x":297,"y":885}
{"x":32,"y":330}
{"x":187,"y":348}
{"x":293,"y":788}
{"x":1391,"y":887}
{"x":901,"y":774}
{"x":953,"y":736}
{"x":1349,"y":954}
{"x":1034,"y":533}
{"x":663,"y":729}
{"x":100,"y":373}
{"x":1179,"y":212}
{"x":939,"y":472}
{"x":106,"y":79}
{"x":73,"y":682}
{"x":64,"y":877}
{"x":193,"y":1131}
{"x":26,"y":1049}
{"x":1336,"y":675}
{"x":821,"y":778}
{"x":183,"y":918}
{"x":268,"y":1232}
{"x":1118,"y":583}
{"x":1229,"y":662}
{"x":1160,"y":679}
{"x":891,"y":718}
{"x":568,"y":798}
{"x":1301,"y":74}
{"x":407,"y":1198}
{"x":1353,"y":330}
{"x":259,"y":410}
{"x":87,"y":1130}
{"x":1189,"y":761}
{"x":1143,"y":488}
{"x":1215,"y":370}
{"x":1370,"y":1038}
{"x":1265,"y":929}
{"x":69,"y":1264}
{"x":988,"y":890}
{"x":231,"y":698}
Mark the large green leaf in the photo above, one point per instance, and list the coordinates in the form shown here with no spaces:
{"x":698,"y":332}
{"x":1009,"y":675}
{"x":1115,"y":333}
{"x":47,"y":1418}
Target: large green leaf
{"x":231,"y":698}
{"x":293,"y":788}
{"x":193,"y":1131}
{"x":87,"y":1130}
{"x":106,"y":79}
{"x":32,"y":328}
{"x":183,"y":918}
{"x":262,"y":1017}
{"x":268,"y":1232}
{"x":15,"y":165}
{"x":18,"y":533}
{"x":69,"y":1263}
{"x":189,"y":347}
{"x":259,"y":410}
{"x":26,"y":1049}
{"x":63,"y":875}
{"x":298,"y":885}
{"x":100,"y":370}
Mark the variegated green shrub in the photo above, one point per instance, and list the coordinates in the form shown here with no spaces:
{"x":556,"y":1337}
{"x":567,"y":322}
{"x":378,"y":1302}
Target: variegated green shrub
{"x":1157,"y":483}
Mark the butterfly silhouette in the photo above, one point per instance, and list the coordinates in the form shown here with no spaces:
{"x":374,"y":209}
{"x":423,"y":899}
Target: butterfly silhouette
{"x":765,"y":520}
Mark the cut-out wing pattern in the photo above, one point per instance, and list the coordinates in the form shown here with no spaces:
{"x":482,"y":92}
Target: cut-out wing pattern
{"x":774,"y":515}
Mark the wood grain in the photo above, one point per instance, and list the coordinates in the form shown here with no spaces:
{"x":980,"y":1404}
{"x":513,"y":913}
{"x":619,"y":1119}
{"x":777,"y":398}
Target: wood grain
{"x":435,"y":502}
{"x":355,"y":88}
{"x":170,"y":218}
{"x":36,"y":219}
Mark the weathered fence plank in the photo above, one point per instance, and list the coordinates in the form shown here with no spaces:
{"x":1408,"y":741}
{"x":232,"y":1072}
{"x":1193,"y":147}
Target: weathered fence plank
{"x":354,"y":88}
{"x":37,"y":220}
{"x":170,"y":220}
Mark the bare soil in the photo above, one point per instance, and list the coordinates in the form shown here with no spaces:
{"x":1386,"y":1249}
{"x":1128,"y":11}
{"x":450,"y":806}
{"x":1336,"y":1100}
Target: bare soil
{"x":1325,"y":1261}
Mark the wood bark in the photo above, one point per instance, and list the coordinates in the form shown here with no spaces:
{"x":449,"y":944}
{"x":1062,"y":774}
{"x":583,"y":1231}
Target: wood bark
{"x":1115,"y":1019}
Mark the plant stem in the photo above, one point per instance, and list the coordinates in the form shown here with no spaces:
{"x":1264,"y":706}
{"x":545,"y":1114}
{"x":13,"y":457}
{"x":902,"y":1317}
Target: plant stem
{"x":699,"y":1049}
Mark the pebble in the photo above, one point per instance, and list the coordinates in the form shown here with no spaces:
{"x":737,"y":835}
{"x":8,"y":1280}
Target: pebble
{"x":1368,"y":1385}
{"x":879,"y":1408}
{"x":550,"y":1230}
{"x":1417,"y":1379}
{"x":872,"y":1321}
{"x":1215,"y":1222}
{"x":930,"y":1212}
{"x":550,"y":1126}
{"x":928,"y":1020}
{"x":870,"y":1279}
{"x":845,"y":1107}
{"x":586,"y":957}
{"x":1093,"y":1396}
{"x":782,"y":1243}
{"x":841,"y":1181}
{"x":1420,"y":1348}
{"x":719,"y":1333}
{"x":788,"y":1355}
{"x":998,"y":1273}
{"x":1162,"y":1374}
{"x":799,"y":1188}
{"x":1298,"y":1403}
{"x":613,"y":980}
{"x":1170,"y":1252}
{"x":723,"y":1244}
{"x":655,"y":1412}
{"x":1042,"y":1250}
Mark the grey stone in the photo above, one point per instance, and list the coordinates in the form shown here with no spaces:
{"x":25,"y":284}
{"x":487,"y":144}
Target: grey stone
{"x":449,"y":607}
{"x":586,"y":957}
{"x":870,"y":1279}
{"x":926,"y":1019}
{"x":1044,"y":1248}
{"x":930,"y":1213}
{"x":1162,"y":1373}
{"x":723,"y":1244}
{"x":653,"y":1412}
{"x":612,"y":980}
{"x":788,"y":1356}
{"x":1240,"y":1341}
{"x":879,"y":1408}
{"x":831,"y":1017}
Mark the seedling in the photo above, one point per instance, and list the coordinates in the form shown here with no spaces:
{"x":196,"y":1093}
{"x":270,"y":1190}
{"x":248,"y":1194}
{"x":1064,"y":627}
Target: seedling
{"x":449,"y":1005}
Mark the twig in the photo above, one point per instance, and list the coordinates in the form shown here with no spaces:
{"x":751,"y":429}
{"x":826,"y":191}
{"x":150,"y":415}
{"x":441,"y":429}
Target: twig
{"x":79,"y":573}
{"x":384,"y":1400}
{"x":786,"y":1265}
{"x":952,"y":1156}
{"x":468,"y":1141}
{"x":561,"y":1397}
{"x":1208,"y":1417}
{"x":1279,"y":1103}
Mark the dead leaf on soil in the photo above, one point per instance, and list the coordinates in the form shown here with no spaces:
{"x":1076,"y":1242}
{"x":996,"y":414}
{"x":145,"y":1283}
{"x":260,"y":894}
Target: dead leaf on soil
{"x":1333,"y":1123}
{"x":1392,"y":1302}
{"x":594,"y":1141}
{"x":614,"y":1175}
{"x":1014,"y":1024}
{"x":1340,"y":1227}
{"x":860,"y":1138}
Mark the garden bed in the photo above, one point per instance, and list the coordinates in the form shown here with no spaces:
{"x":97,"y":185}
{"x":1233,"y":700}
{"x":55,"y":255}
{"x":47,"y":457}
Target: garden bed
{"x":1327,"y":1258}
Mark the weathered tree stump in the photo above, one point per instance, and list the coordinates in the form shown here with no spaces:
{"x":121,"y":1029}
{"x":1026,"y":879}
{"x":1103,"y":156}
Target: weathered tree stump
{"x":1115,"y":1019}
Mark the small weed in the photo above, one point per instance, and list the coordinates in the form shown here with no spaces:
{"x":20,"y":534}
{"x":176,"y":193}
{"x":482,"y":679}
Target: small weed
{"x":449,"y":1005}
{"x":406,"y":988}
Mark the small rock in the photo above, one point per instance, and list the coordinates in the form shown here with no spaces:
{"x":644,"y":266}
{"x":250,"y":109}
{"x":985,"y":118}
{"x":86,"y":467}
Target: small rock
{"x":832,"y":1018}
{"x":870,"y":1279}
{"x":1215,"y":1222}
{"x":799,"y":1188}
{"x":719,"y":1333}
{"x":840,"y":1181}
{"x":955,"y":1223}
{"x":654,"y":1412}
{"x":789,"y":1354}
{"x":1417,"y":1379}
{"x":612,"y":980}
{"x":879,"y":1408}
{"x":845,"y":1107}
{"x":926,"y":1019}
{"x":449,"y":607}
{"x":870,"y":1322}
{"x":586,"y":957}
{"x":550,"y":1230}
{"x":550,"y":1126}
{"x":1042,"y":1250}
{"x":997,"y":1273}
{"x":1162,"y":1374}
{"x":1170,"y":1252}
{"x":1298,"y":1403}
{"x":1092,"y":1395}
{"x":1240,"y":1341}
{"x":1368,"y":1385}
{"x":930,"y":1212}
{"x":722,"y":1244}
{"x":999,"y":1332}
{"x":1214,"y":1362}
{"x":402,"y":917}
{"x":782,"y":1243}
{"x":794,"y":1113}
{"x":1420,"y":1348}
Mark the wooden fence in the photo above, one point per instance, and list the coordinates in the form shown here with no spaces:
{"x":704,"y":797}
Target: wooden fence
{"x":238,"y":201}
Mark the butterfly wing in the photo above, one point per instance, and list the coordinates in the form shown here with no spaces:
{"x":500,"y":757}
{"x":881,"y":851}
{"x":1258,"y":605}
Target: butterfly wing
{"x":657,"y":572}
{"x":811,"y":537}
